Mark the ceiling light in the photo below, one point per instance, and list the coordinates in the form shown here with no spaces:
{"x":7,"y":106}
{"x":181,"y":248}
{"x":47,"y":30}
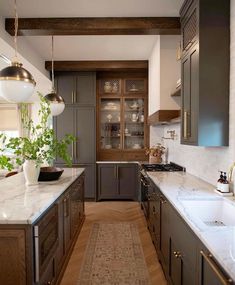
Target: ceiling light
{"x":16,"y":83}
{"x":56,"y":102}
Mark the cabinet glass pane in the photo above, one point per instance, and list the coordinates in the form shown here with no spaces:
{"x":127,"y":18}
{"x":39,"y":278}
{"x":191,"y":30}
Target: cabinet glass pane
{"x":108,"y":86}
{"x":134,"y":86}
{"x":110,"y":124}
{"x":134,"y":124}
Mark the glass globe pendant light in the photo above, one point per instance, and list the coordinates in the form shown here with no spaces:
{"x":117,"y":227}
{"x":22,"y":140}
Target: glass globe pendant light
{"x":16,"y":83}
{"x":57,"y":104}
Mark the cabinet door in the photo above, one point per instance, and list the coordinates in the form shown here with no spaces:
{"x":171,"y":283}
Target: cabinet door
{"x":85,"y":88}
{"x":64,"y":124}
{"x":165,"y":233}
{"x":84,"y":150}
{"x":210,"y":272}
{"x":74,"y":197}
{"x":190,"y":96}
{"x":65,"y":86}
{"x":67,"y":223}
{"x":183,"y":252}
{"x":90,"y":180}
{"x":107,"y":181}
{"x":127,"y":181}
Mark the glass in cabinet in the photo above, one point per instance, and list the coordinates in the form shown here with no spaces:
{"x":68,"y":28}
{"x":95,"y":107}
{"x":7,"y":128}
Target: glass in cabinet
{"x":134,"y":118}
{"x":110,"y":125}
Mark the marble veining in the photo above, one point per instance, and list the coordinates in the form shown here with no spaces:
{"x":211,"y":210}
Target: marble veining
{"x":21,"y":204}
{"x":179,"y":186}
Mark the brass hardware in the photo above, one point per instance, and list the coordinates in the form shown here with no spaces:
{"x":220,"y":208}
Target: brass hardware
{"x":185,"y":124}
{"x":72,"y":96}
{"x":177,"y":254}
{"x":144,"y":183}
{"x":117,"y":169}
{"x":75,"y":96}
{"x":49,"y":283}
{"x":188,"y":46}
{"x":214,"y":267}
{"x":73,"y":150}
{"x":66,"y":212}
{"x":115,"y":172}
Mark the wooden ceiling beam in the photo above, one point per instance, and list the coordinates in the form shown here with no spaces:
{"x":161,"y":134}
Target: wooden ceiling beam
{"x":95,"y":26}
{"x":106,"y":65}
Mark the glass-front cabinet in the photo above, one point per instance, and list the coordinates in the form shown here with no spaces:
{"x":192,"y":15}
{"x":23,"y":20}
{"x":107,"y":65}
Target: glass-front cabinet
{"x":122,"y":130}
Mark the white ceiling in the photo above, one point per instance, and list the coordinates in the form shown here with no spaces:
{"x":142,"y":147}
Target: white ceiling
{"x":92,"y":47}
{"x":91,"y":8}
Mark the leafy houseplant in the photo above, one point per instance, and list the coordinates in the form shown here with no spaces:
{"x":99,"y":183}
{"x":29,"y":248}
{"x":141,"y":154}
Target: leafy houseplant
{"x":40,"y":145}
{"x":155,"y":153}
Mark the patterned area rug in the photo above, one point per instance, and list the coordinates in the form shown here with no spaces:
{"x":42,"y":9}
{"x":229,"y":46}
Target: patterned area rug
{"x":114,"y":256}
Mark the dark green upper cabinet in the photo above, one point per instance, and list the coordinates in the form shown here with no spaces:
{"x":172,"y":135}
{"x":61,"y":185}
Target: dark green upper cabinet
{"x":205,"y":29}
{"x":77,"y":87}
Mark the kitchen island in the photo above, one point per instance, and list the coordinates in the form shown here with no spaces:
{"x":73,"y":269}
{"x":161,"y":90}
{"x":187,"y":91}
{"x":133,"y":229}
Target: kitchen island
{"x":192,"y":228}
{"x":39,"y":226}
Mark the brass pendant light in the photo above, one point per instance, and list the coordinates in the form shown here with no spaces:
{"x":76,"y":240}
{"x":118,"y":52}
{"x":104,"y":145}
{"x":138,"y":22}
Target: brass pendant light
{"x":16,"y":83}
{"x":56,"y":102}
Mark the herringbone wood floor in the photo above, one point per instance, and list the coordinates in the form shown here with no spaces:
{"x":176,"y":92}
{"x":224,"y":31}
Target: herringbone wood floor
{"x":113,"y":211}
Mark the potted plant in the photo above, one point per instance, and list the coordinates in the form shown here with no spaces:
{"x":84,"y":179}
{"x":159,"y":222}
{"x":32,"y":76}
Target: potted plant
{"x":155,"y":153}
{"x":39,"y":146}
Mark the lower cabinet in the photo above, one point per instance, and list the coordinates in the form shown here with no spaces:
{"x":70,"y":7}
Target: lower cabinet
{"x":209,"y":270}
{"x":37,"y":254}
{"x":184,"y":259}
{"x":118,"y":181}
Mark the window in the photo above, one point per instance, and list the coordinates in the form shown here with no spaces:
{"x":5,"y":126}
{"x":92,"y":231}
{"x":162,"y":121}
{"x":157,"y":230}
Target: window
{"x":9,"y":121}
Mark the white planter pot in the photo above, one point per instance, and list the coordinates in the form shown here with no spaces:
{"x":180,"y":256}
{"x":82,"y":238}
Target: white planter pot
{"x":31,"y":172}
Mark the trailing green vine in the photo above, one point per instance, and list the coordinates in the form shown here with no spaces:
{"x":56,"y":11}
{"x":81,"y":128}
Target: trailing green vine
{"x":40,"y":144}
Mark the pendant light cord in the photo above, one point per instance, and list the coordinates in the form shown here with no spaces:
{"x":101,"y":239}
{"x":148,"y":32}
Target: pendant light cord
{"x":52,"y":63}
{"x":16,"y":31}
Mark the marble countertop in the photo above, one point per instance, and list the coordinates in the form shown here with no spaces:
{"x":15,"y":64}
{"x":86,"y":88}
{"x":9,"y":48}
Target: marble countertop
{"x":180,"y":186}
{"x":21,"y":204}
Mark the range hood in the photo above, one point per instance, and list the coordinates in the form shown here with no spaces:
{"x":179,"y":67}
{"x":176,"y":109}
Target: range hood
{"x":163,"y":117}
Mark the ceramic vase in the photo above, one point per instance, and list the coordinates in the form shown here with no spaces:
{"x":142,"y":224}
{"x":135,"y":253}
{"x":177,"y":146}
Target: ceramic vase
{"x":31,"y":172}
{"x":155,"y":159}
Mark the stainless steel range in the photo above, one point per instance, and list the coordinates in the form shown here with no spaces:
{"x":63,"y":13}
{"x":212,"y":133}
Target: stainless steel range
{"x":145,"y":181}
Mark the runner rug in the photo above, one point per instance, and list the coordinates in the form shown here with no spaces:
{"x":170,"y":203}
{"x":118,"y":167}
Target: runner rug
{"x":114,"y":256}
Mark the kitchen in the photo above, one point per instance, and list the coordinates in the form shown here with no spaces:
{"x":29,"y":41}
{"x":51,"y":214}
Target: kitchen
{"x":119,"y":88}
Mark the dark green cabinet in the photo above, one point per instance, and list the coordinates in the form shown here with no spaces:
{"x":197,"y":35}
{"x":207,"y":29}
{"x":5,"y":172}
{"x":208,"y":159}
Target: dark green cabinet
{"x":117,"y":181}
{"x":80,"y":122}
{"x":79,"y":119}
{"x":184,"y":259}
{"x":154,"y":215}
{"x":77,"y":88}
{"x":209,"y":270}
{"x":205,"y":29}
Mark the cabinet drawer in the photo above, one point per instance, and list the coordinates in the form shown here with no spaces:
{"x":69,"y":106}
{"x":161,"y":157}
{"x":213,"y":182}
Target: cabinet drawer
{"x":45,"y":241}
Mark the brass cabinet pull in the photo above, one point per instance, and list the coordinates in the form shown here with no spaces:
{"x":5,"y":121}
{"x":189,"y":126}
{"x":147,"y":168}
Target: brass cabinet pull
{"x":75,"y":96}
{"x":73,"y":150}
{"x":115,"y":172}
{"x":72,"y":97}
{"x":185,"y":124}
{"x":214,"y":267}
{"x":117,"y":175}
{"x":66,"y":212}
{"x":188,"y":46}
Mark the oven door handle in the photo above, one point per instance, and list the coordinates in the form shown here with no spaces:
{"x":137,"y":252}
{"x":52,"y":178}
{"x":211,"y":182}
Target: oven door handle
{"x":36,"y":251}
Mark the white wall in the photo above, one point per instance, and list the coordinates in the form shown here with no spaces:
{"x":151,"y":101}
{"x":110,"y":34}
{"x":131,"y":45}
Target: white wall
{"x":205,"y":162}
{"x":154,"y":78}
{"x":170,"y":71}
{"x":164,"y":71}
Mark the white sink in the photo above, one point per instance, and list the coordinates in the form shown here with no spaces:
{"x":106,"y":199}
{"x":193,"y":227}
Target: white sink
{"x":211,"y":212}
